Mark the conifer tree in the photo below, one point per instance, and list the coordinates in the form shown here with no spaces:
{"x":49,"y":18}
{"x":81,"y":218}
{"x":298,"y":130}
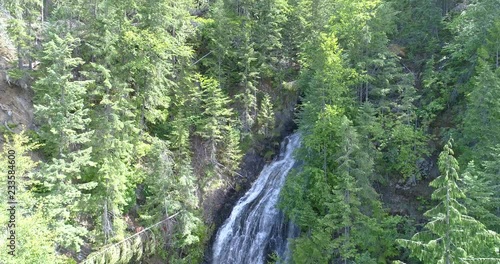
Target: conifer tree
{"x":157,"y":56}
{"x":327,"y":78}
{"x":170,"y":190}
{"x":470,"y":30}
{"x":265,"y":118}
{"x":491,"y":50}
{"x":346,"y":202}
{"x":480,"y":187}
{"x":220,"y":29}
{"x":24,"y":28}
{"x":230,"y":155}
{"x":325,"y":197}
{"x":216,"y":125}
{"x":267,"y":31}
{"x":452,"y":236}
{"x":116,"y":121}
{"x":64,"y":117}
{"x":216,"y":115}
{"x":490,"y":177}
{"x":482,"y":117}
{"x":248,"y":82}
{"x":114,"y":144}
{"x":246,"y":41}
{"x":35,"y":235}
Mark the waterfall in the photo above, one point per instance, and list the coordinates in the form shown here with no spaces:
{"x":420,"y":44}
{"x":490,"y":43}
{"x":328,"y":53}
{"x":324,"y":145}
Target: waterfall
{"x":256,"y":227}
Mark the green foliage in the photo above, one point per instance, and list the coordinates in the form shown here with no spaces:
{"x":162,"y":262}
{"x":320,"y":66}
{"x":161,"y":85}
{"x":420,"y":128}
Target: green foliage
{"x":246,"y":41}
{"x":325,"y":197}
{"x":216,"y":118}
{"x":451,"y":236}
{"x":24,"y":26}
{"x":248,"y":82}
{"x":481,"y":119}
{"x":61,"y":110}
{"x":470,"y":30}
{"x":145,"y":107}
{"x":35,"y":240}
{"x":418,"y":21}
{"x":403,"y":148}
{"x":217,"y":126}
{"x":327,"y":79}
{"x":265,"y":118}
{"x":35,"y":236}
{"x":59,"y":103}
{"x":480,"y":188}
{"x":113,"y":147}
{"x":170,"y":190}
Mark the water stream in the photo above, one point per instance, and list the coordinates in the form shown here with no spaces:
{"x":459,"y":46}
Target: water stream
{"x":256,"y":227}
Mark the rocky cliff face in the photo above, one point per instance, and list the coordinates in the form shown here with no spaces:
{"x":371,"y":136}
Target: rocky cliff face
{"x":16,"y":107}
{"x":16,"y":104}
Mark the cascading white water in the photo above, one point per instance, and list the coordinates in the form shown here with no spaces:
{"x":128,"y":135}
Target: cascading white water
{"x":256,"y":227}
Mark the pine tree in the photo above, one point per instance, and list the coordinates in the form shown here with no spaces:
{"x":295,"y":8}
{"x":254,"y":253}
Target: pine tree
{"x":170,"y":190}
{"x":482,"y":117}
{"x":345,"y":204}
{"x":421,"y":20}
{"x":470,"y":30}
{"x":24,"y":28}
{"x":216,"y":116}
{"x":491,"y":50}
{"x":60,"y":108}
{"x":216,"y":125}
{"x":157,"y":56}
{"x":490,"y":177}
{"x":116,"y":121}
{"x":221,"y":28}
{"x":267,"y":31}
{"x":35,"y":235}
{"x":327,"y":79}
{"x":451,"y":236}
{"x":248,"y":82}
{"x":230,"y":155}
{"x":325,"y":199}
{"x":265,"y":118}
{"x":246,"y":41}
{"x":480,"y":188}
{"x":115,"y":146}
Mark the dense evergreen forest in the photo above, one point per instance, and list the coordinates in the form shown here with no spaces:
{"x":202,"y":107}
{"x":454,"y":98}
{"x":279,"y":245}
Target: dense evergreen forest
{"x":146,"y":111}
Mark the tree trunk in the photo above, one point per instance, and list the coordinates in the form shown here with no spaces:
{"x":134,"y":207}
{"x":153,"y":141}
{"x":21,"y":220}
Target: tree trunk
{"x":19,"y":57}
{"x":447,"y":241}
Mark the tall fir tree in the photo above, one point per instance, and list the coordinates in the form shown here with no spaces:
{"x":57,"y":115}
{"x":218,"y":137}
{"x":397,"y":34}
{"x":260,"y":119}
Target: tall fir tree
{"x":481,"y":121}
{"x":64,"y":119}
{"x":24,"y":27}
{"x":452,"y":236}
{"x":265,"y":118}
{"x":480,"y":189}
{"x":216,"y":125}
{"x":170,"y":190}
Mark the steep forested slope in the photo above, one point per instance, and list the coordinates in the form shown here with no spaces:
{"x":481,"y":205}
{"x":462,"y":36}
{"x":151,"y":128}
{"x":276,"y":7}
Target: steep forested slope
{"x":144,"y":111}
{"x":385,"y":84}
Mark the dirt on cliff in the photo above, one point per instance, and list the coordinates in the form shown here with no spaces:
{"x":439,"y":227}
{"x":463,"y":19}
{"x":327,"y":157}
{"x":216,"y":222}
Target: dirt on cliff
{"x":16,"y":104}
